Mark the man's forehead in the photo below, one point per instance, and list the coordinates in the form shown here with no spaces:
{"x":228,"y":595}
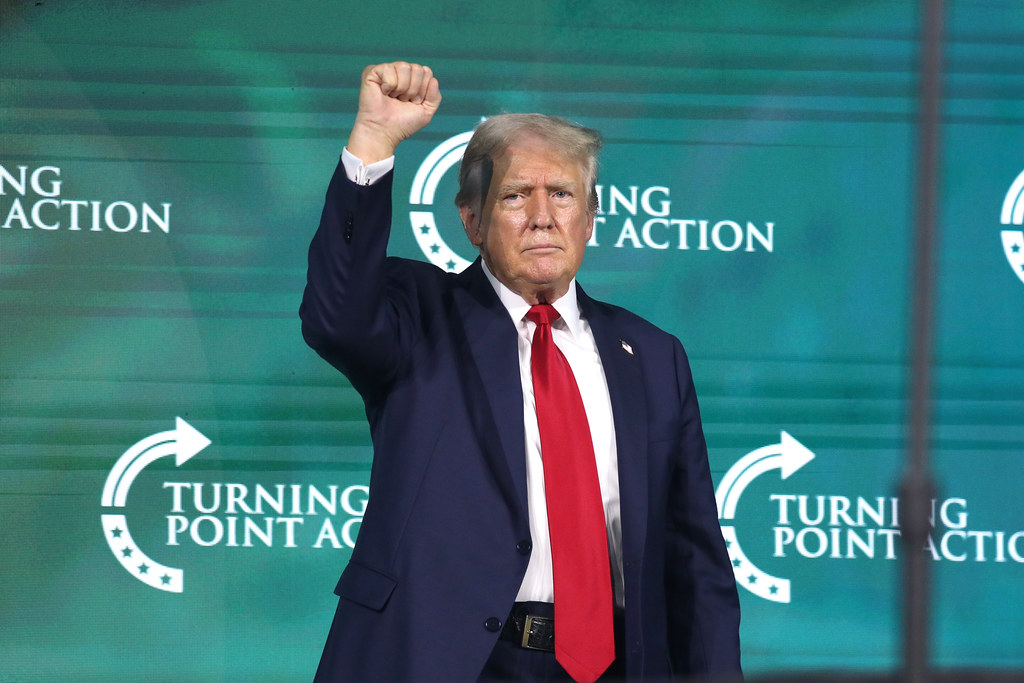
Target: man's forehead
{"x":523,"y":160}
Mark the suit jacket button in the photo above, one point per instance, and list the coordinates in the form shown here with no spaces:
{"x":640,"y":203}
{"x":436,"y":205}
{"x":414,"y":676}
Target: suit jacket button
{"x":524,"y":547}
{"x":493,"y":624}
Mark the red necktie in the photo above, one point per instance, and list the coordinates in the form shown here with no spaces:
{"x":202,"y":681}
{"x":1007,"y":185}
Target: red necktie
{"x":584,"y":636}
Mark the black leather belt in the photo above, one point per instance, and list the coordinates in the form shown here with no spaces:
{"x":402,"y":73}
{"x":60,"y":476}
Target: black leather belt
{"x":530,"y":630}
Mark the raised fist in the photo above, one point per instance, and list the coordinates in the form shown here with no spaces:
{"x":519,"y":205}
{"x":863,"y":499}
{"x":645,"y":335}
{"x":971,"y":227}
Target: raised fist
{"x":395,"y":101}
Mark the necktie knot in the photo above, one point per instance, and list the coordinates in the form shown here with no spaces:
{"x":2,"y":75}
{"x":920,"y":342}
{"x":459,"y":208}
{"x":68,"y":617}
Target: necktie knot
{"x":543,"y":314}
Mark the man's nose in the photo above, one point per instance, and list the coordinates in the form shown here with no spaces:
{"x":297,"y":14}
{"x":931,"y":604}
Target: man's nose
{"x":540,"y":212}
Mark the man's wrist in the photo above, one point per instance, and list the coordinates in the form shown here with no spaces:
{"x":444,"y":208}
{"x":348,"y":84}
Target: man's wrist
{"x":370,"y":143}
{"x":362,"y":173}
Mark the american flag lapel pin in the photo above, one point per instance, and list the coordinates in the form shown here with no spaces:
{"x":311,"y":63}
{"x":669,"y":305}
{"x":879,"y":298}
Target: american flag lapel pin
{"x":626,"y":347}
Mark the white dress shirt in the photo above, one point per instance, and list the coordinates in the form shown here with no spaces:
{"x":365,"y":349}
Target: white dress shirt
{"x":574,"y":338}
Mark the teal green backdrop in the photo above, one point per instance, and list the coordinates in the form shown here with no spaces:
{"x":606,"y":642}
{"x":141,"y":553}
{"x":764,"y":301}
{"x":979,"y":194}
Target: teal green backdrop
{"x":181,"y":479}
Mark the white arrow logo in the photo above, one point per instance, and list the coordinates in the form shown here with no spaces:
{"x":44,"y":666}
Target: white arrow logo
{"x":789,"y":455}
{"x":183,"y":442}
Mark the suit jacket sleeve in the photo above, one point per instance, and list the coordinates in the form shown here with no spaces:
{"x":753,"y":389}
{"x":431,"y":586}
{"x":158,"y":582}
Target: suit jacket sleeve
{"x":705,"y":613}
{"x":353,"y":312}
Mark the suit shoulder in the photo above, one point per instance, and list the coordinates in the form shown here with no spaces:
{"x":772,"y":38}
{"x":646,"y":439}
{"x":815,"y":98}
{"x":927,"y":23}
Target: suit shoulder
{"x":411,"y":271}
{"x":634,"y":329}
{"x":628,"y":320}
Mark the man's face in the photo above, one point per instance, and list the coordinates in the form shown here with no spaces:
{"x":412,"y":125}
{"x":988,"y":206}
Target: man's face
{"x":534,"y":225}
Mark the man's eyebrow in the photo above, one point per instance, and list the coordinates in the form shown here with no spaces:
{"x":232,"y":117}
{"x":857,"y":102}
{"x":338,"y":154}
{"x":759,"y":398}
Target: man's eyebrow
{"x":514,"y":186}
{"x":562,"y":184}
{"x":518,"y":186}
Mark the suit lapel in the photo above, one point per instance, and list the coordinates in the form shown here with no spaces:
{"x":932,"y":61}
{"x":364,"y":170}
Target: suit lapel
{"x":494,"y":388}
{"x":491,"y":378}
{"x":619,"y":357}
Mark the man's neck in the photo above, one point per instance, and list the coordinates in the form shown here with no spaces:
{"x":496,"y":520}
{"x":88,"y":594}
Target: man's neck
{"x":517,"y":306}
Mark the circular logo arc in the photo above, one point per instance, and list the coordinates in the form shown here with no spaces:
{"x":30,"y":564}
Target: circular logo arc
{"x":424,"y":187}
{"x":1013,"y":214}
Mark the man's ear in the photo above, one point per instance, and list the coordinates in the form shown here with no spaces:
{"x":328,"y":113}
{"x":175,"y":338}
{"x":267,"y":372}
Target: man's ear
{"x":471,"y":224}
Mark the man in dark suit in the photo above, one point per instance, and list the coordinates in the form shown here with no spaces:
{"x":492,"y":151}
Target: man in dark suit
{"x":475,"y":558}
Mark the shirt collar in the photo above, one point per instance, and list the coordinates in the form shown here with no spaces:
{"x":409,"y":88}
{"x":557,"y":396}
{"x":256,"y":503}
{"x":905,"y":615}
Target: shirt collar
{"x":517,"y":307}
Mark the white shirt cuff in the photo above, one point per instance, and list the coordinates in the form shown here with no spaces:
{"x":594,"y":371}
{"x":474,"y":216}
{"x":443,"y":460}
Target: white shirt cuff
{"x":362,"y":174}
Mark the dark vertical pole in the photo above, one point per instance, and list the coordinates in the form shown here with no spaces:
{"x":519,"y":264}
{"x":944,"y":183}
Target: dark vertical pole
{"x":917,"y":486}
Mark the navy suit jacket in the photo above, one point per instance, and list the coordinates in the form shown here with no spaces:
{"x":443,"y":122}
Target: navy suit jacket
{"x":445,"y":539}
